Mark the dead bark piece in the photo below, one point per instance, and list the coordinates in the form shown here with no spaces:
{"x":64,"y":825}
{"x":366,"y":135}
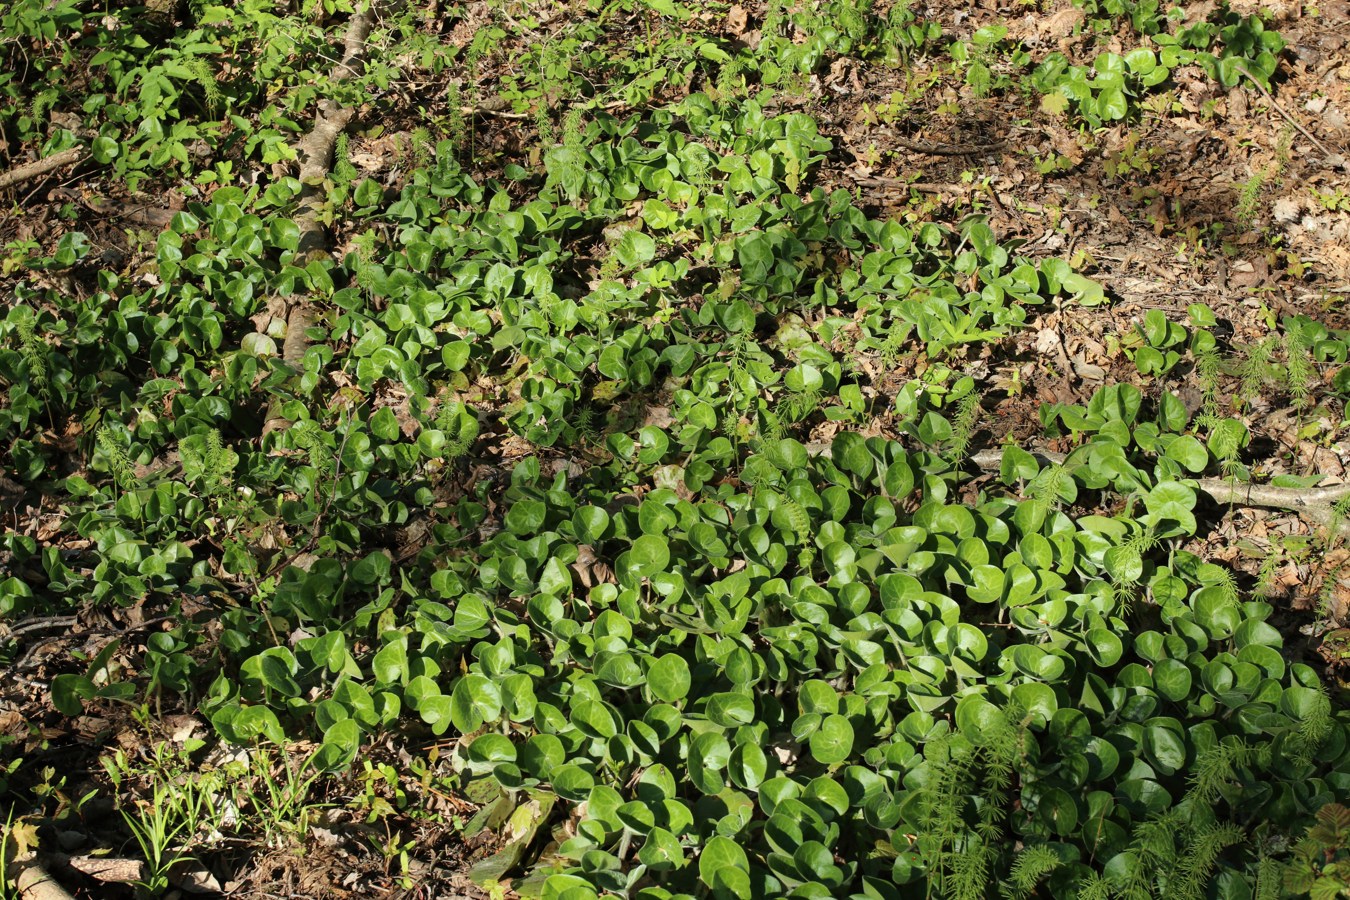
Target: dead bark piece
{"x":315,"y":149}
{"x":110,"y":869}
{"x":40,"y":167}
{"x":34,"y":882}
{"x":1316,"y":505}
{"x":354,"y":41}
{"x":489,"y":111}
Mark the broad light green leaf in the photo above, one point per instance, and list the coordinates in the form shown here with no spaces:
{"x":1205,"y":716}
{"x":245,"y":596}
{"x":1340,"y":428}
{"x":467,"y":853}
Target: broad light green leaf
{"x":669,"y":678}
{"x":341,"y":741}
{"x":634,"y":249}
{"x":833,"y":742}
{"x":720,"y":853}
{"x":648,"y":556}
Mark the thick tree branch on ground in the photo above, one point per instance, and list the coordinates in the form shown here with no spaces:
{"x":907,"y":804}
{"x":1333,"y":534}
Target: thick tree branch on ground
{"x":1315,"y":504}
{"x":315,"y":153}
{"x":316,"y":161}
{"x":315,"y":150}
{"x":40,"y":167}
{"x":33,"y":882}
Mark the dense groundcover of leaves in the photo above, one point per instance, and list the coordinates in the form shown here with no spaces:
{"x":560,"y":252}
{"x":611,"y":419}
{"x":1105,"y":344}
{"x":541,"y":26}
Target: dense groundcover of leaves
{"x":738,"y":665}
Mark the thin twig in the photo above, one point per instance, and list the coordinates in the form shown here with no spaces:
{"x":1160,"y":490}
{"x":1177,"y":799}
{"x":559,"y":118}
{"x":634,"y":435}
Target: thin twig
{"x":948,"y":149}
{"x":1284,"y":112}
{"x":933,"y":187}
{"x":503,"y":113}
{"x":337,"y":476}
{"x":26,"y":661}
{"x":495,"y":113}
{"x":40,"y":625}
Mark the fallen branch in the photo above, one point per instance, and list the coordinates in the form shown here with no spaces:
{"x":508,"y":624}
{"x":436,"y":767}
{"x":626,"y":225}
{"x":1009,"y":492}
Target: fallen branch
{"x":316,"y":161}
{"x":315,"y":152}
{"x":46,"y":623}
{"x":33,"y":882}
{"x":40,"y":167}
{"x":1315,"y":504}
{"x":315,"y":149}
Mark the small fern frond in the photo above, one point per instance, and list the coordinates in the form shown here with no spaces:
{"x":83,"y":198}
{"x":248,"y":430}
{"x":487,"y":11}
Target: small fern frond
{"x":585,"y":425}
{"x":1257,"y":368}
{"x":796,"y":406}
{"x":1249,"y":199}
{"x":1144,"y":541}
{"x":455,"y":129}
{"x":1215,"y":768}
{"x":963,"y":426}
{"x":308,"y":437}
{"x":42,"y":104}
{"x":205,"y":77}
{"x":1047,"y":487}
{"x":344,"y":173}
{"x":218,"y":465}
{"x":729,"y":81}
{"x":1265,"y":575}
{"x":1028,"y":870}
{"x":574,"y":131}
{"x":1228,"y":587}
{"x":1095,"y":887}
{"x":1201,"y":858}
{"x":970,"y":871}
{"x":212,"y":462}
{"x":1269,"y":880}
{"x":1299,"y":373}
{"x":799,"y":520}
{"x":119,"y":461}
{"x":460,"y":426}
{"x":33,"y":349}
{"x":1339,"y":512}
{"x":421,"y":146}
{"x":1315,"y":724}
{"x":1155,"y":843}
{"x":543,"y":123}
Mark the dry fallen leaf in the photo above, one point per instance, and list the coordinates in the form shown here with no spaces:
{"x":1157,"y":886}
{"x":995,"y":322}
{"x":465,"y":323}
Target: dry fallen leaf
{"x":194,"y":878}
{"x":23,"y":834}
{"x":737,"y":20}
